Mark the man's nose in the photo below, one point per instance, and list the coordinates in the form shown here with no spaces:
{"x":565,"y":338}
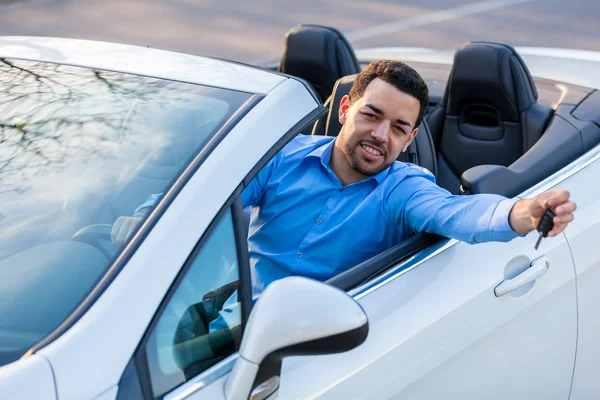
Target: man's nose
{"x":381,"y":132}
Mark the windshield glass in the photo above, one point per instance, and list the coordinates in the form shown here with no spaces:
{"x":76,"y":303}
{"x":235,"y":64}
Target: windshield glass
{"x":79,"y":148}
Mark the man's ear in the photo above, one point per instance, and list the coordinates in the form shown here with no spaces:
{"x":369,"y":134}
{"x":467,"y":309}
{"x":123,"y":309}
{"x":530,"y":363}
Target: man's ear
{"x":343,"y":110}
{"x":411,"y":138}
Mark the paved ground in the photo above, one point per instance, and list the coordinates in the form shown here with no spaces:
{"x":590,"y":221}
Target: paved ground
{"x":252,"y":31}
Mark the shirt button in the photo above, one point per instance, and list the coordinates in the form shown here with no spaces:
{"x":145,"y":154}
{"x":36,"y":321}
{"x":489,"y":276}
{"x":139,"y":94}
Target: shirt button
{"x":319,"y":222}
{"x":340,"y":189}
{"x":300,"y":255}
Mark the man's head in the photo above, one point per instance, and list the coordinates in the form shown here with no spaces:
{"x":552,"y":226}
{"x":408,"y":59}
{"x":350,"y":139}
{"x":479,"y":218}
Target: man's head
{"x":380,"y":117}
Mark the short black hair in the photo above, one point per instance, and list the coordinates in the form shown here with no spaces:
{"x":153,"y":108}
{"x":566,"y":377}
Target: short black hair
{"x":398,"y":74}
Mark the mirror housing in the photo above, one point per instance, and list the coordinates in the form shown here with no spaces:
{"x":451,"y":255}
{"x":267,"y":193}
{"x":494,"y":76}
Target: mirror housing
{"x":294,"y":316}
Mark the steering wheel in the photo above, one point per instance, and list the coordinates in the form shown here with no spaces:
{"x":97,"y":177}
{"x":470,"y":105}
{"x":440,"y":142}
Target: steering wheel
{"x":93,"y":234}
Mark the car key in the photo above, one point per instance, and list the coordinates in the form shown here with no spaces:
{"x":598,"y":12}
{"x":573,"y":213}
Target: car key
{"x":545,"y":226}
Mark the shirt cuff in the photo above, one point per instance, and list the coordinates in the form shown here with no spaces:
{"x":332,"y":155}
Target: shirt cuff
{"x":500,"y":223}
{"x":151,"y":202}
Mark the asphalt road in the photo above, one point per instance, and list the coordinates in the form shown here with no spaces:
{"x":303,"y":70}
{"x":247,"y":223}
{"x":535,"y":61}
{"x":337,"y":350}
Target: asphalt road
{"x":253,"y":31}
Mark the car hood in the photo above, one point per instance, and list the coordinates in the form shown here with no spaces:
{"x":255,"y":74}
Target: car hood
{"x":578,"y":67}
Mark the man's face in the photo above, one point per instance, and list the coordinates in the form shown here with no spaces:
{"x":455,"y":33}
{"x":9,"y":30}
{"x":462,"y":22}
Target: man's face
{"x":377,"y":127}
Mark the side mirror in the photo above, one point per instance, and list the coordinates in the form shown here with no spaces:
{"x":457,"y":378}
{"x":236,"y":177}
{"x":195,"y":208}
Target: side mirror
{"x":294,"y":316}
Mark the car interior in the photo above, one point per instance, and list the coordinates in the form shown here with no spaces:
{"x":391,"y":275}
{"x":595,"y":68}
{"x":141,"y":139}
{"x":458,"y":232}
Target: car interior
{"x":487,"y":131}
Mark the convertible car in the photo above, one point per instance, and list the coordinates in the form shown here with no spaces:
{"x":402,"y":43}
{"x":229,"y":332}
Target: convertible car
{"x":90,"y":130}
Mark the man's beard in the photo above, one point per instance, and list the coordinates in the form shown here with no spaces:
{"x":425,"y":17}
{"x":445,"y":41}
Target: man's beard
{"x":352,"y":158}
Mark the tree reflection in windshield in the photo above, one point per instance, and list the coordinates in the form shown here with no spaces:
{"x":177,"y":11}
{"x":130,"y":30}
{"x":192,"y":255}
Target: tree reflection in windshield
{"x":53,"y":114}
{"x":79,"y":148}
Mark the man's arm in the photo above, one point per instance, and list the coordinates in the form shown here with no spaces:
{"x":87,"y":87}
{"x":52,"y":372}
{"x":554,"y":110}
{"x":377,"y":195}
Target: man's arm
{"x":125,"y":226}
{"x":476,"y":218}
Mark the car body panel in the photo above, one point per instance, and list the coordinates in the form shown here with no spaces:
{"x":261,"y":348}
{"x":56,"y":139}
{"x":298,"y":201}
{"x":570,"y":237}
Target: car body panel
{"x":583,"y":234}
{"x":214,"y":391}
{"x":578,"y":67}
{"x":141,"y":61}
{"x":110,"y":394}
{"x":208,"y":385}
{"x":84,"y":363}
{"x":438,"y":331}
{"x":29,"y":378}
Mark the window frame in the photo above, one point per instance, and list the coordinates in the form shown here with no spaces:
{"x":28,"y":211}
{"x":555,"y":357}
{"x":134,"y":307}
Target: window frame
{"x":366,"y":272}
{"x":233,"y":204}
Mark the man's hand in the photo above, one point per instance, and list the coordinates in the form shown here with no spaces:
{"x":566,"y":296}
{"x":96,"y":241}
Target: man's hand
{"x":525,"y":215}
{"x":124,"y":228}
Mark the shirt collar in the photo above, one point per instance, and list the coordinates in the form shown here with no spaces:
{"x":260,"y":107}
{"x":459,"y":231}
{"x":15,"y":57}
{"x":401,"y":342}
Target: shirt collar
{"x":323,"y":152}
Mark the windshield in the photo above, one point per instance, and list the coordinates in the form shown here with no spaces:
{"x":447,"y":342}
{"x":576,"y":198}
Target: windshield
{"x":79,"y":148}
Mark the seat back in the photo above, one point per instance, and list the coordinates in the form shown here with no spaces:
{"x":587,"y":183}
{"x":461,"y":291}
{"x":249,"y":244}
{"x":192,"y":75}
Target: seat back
{"x":318,"y":54}
{"x":489,"y":113}
{"x":420,"y":152}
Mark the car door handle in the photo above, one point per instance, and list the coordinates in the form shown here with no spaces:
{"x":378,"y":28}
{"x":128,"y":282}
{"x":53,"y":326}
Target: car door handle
{"x":538,"y":268}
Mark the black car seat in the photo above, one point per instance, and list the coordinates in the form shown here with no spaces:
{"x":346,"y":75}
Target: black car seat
{"x":318,"y":54}
{"x":420,"y":152}
{"x":489,"y":112}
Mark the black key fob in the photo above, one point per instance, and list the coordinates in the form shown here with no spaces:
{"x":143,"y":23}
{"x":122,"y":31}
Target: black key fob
{"x":546,"y":224}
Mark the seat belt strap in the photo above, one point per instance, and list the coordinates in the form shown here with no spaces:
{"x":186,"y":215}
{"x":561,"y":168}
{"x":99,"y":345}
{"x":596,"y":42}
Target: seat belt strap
{"x":412,"y":153}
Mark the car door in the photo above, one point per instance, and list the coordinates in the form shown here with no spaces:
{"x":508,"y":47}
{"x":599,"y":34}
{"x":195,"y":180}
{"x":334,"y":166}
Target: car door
{"x":438,"y":330}
{"x":582,"y":235}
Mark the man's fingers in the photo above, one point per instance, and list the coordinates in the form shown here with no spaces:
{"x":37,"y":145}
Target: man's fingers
{"x":566,"y":208}
{"x":123,"y":229}
{"x":563,"y":219}
{"x":558,"y":201}
{"x":133,"y":224}
{"x":560,"y":223}
{"x":558,"y":228}
{"x":114,"y":233}
{"x":128,"y":227}
{"x":558,"y":197}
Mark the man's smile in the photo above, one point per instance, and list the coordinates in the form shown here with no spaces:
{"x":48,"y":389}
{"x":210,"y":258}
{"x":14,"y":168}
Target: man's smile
{"x":371,"y":152}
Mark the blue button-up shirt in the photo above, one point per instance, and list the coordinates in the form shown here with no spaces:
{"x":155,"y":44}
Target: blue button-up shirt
{"x":305,"y":222}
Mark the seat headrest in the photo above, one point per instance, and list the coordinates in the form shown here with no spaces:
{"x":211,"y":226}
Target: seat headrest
{"x":318,"y":54}
{"x":342,"y":87}
{"x":489,"y":75}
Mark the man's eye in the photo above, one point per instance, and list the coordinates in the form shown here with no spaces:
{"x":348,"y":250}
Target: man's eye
{"x":400,"y":130}
{"x":370,"y":116}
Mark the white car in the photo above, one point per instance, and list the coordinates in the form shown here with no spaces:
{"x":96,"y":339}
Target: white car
{"x":90,"y":130}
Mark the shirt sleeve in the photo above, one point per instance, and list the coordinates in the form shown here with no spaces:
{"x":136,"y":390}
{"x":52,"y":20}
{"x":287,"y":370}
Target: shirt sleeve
{"x":426,"y":207}
{"x":251,"y":196}
{"x":149,"y":203}
{"x":253,"y":193}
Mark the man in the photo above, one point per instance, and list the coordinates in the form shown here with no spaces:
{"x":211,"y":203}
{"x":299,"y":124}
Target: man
{"x":323,"y":204}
